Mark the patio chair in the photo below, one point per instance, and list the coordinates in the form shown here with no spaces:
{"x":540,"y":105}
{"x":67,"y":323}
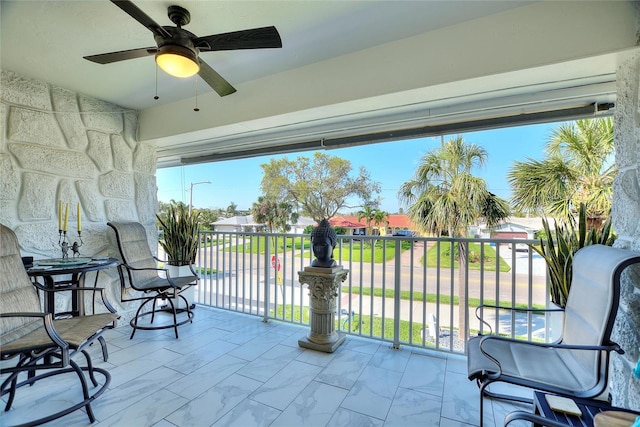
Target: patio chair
{"x":42,"y":346}
{"x":577,"y":365}
{"x":139,"y":271}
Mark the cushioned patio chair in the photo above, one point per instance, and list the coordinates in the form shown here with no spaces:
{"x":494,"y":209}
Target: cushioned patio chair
{"x":577,"y":365}
{"x":42,"y":346}
{"x":139,"y":271}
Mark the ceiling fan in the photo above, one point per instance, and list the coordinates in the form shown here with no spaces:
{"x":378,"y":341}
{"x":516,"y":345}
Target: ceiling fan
{"x":177,"y":49}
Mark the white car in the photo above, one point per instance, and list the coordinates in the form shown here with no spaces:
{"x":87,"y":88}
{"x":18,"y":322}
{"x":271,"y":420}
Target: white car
{"x":519,"y":247}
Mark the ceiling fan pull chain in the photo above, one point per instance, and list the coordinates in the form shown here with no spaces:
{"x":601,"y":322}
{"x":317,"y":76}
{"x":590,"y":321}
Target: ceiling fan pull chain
{"x":156,"y":97}
{"x":196,"y":80}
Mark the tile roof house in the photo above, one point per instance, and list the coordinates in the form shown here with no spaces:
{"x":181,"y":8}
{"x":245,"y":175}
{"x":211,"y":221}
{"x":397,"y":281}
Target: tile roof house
{"x":394,"y":222}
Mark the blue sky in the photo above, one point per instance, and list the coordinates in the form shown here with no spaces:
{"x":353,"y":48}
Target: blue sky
{"x":391,"y":164}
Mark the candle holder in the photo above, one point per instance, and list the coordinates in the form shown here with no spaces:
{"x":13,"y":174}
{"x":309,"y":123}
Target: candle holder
{"x":63,"y":241}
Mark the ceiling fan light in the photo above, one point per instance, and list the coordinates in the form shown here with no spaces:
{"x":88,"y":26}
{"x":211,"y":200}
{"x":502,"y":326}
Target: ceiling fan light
{"x":177,"y":61}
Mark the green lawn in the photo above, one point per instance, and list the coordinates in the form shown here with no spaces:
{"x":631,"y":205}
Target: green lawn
{"x":355,"y":324}
{"x":362,"y":251}
{"x":409,"y":332}
{"x":473,"y":257}
{"x":258,"y":245}
{"x":430,"y":297}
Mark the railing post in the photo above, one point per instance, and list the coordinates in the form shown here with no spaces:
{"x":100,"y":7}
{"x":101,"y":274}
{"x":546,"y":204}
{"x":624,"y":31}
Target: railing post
{"x":396,"y":293}
{"x":267,"y":277}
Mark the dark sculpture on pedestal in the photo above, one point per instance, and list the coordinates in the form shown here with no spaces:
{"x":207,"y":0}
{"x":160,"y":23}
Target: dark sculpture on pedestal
{"x":323,"y":240}
{"x":324,"y":278}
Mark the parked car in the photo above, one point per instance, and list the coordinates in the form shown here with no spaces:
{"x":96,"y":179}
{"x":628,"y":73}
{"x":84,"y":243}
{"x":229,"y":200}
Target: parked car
{"x":403,"y":233}
{"x":519,"y":247}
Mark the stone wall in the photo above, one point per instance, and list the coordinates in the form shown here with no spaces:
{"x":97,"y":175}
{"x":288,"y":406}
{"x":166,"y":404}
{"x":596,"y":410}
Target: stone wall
{"x":60,"y":145}
{"x":626,"y":221}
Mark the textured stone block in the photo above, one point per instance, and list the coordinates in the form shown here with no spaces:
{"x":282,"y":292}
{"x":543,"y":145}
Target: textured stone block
{"x":144,"y":159}
{"x":19,"y":90}
{"x":625,"y":207}
{"x":122,"y":154}
{"x":626,"y":143}
{"x":57,"y":162}
{"x":9,"y":179}
{"x":39,"y":239}
{"x":120,"y":210}
{"x":35,"y":127}
{"x":4,"y":113}
{"x":625,"y":389}
{"x":70,"y":122}
{"x":106,"y":118}
{"x":117,"y":185}
{"x":100,"y":150}
{"x":146,"y":197}
{"x":68,"y":193}
{"x":91,"y":199}
{"x":38,"y":201}
{"x":130,"y":128}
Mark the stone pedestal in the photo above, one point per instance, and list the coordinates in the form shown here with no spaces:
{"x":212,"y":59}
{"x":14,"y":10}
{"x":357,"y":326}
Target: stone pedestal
{"x":324,"y":287}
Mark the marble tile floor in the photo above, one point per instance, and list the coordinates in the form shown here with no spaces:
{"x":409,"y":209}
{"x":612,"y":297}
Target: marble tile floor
{"x":230,"y":369}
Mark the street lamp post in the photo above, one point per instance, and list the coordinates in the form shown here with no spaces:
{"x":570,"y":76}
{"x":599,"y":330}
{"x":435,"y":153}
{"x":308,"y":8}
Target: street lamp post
{"x":191,"y":192}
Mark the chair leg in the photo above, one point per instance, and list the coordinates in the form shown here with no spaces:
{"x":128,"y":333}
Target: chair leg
{"x":188,"y":309}
{"x":175,"y":316}
{"x":482,"y":387}
{"x":134,"y":321}
{"x":13,"y":380}
{"x":90,"y":368}
{"x":105,"y":351}
{"x":85,"y":388}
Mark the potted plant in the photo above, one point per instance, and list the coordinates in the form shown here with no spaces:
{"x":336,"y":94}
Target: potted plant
{"x":179,"y":240}
{"x":558,"y":247}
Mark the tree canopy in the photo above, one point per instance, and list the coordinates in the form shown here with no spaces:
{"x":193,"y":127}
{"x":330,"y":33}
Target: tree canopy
{"x":278,"y":216}
{"x":320,"y":187}
{"x":444,"y":197}
{"x":374,"y":216}
{"x":578,"y":168}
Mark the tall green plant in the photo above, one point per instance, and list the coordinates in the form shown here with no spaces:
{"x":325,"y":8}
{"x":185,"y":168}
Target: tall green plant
{"x":559,"y":246}
{"x":180,"y":234}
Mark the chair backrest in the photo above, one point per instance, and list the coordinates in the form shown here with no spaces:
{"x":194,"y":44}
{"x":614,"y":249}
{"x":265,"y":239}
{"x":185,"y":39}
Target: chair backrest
{"x":17,"y":293}
{"x":593,"y":298}
{"x":134,"y":251}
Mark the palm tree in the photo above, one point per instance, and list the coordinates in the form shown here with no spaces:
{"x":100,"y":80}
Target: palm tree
{"x":277,"y":216}
{"x":381,"y":217}
{"x":578,"y":168}
{"x":368,"y":213}
{"x":232,"y":210}
{"x":444,"y":198}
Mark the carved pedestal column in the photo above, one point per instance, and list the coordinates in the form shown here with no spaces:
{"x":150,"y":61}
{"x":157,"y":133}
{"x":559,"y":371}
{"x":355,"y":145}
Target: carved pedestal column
{"x":324,"y":285}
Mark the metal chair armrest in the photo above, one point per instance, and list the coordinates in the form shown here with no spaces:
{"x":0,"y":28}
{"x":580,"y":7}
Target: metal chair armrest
{"x":47,"y":323}
{"x":129,"y":267}
{"x":103,"y":295}
{"x":512,"y":309}
{"x":607,"y":348}
{"x":611,"y":347}
{"x":535,"y":419}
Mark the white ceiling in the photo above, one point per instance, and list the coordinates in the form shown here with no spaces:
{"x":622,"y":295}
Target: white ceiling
{"x":346,"y":67}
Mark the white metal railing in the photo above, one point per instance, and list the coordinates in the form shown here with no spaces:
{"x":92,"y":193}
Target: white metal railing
{"x":406,"y":292}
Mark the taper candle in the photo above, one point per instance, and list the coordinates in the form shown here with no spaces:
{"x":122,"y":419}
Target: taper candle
{"x":79,"y":220}
{"x":59,"y":215}
{"x":66,"y":217}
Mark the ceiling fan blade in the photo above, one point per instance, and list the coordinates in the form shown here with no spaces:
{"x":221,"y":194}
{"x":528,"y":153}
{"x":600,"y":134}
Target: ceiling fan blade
{"x":108,"y":58}
{"x":215,"y":80}
{"x":256,"y":38}
{"x":137,"y":14}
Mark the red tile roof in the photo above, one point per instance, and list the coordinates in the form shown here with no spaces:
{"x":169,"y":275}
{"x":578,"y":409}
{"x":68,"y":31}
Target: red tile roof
{"x":395,"y":221}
